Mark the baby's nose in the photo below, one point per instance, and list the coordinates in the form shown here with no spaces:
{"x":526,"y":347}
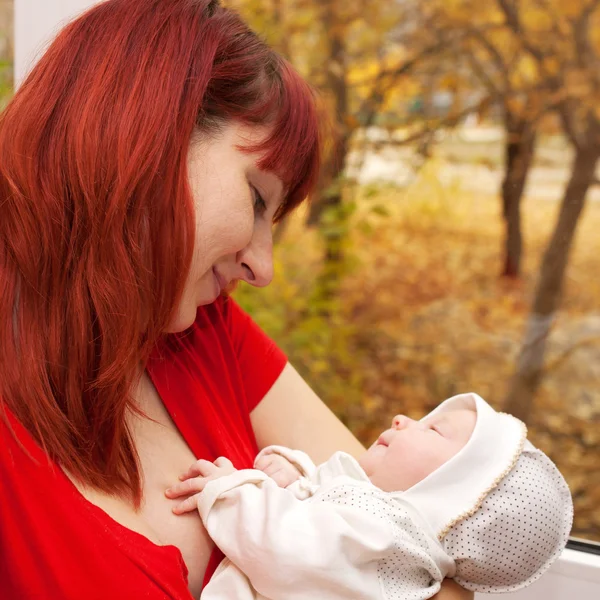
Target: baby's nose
{"x":402,"y":422}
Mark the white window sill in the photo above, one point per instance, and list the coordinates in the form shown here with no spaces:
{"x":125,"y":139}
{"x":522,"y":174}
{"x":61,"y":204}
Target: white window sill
{"x":576,"y":574}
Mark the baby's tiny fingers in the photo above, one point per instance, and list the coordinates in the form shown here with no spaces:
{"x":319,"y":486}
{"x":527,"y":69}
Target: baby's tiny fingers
{"x":223,"y":462}
{"x":280,"y":477}
{"x":187,"y":487}
{"x":263,"y":463}
{"x":273,"y":468}
{"x":188,"y":505}
{"x":285,"y":477}
{"x":201,"y":468}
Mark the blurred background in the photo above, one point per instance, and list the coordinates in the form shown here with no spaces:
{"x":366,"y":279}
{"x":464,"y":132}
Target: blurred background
{"x":453,"y":244}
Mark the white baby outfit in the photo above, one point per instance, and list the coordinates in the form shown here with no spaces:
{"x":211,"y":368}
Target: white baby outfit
{"x":494,"y":517}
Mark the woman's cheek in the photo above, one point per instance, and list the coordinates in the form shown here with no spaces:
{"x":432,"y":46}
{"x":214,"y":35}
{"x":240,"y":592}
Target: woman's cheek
{"x":240,"y":232}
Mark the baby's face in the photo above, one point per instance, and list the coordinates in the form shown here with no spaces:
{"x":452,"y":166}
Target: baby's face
{"x":410,"y":450}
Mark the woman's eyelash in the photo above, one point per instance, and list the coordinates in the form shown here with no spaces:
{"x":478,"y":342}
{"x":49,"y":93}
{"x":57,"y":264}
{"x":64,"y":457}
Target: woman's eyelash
{"x":259,"y":203}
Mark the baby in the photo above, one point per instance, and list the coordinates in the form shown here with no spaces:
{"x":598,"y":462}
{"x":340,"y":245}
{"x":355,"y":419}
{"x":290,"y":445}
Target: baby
{"x":459,"y":494}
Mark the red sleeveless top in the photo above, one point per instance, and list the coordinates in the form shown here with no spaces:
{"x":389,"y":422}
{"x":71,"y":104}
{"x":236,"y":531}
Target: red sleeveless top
{"x":55,"y":544}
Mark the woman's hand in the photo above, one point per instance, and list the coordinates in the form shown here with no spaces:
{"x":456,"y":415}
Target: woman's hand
{"x":452,"y":591}
{"x":278,"y":468}
{"x":195,"y":479}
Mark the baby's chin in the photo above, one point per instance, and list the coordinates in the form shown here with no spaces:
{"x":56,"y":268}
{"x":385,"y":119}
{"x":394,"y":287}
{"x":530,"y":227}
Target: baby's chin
{"x":368,"y":463}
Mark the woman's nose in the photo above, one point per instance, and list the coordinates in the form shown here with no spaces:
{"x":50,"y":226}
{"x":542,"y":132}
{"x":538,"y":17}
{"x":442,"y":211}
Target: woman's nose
{"x":402,"y":422}
{"x":256,"y":258}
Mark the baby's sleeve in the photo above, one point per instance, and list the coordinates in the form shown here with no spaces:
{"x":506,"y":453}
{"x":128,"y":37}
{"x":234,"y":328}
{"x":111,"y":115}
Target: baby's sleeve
{"x":294,"y":549}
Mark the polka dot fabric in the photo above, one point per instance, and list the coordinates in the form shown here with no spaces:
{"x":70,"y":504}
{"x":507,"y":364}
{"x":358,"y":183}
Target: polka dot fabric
{"x":410,"y":570}
{"x":520,"y":529}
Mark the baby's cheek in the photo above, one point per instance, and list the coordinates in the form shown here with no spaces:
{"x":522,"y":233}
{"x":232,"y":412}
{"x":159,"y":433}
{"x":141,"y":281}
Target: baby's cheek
{"x":427,"y":463}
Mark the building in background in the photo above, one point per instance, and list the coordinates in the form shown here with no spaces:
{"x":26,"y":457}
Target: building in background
{"x":35,"y":24}
{"x":6,"y":50}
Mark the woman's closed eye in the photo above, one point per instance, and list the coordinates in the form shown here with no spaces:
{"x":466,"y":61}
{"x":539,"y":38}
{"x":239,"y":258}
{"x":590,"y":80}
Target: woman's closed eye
{"x":260,"y":206}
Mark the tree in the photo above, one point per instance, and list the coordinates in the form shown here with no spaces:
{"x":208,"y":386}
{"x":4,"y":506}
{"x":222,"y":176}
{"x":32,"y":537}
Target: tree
{"x":331,"y":42}
{"x":490,"y":58}
{"x":563,"y":42}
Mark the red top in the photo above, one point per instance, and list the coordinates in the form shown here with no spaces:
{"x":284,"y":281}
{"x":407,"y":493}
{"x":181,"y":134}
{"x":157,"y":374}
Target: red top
{"x":55,"y":544}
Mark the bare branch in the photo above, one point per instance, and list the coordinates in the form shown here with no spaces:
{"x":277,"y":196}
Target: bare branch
{"x":513,"y":21}
{"x":565,"y":113}
{"x":449,"y":121}
{"x":482,"y":75}
{"x":581,"y":30}
{"x":388,"y":78}
{"x":550,"y":9}
{"x":494,"y":53}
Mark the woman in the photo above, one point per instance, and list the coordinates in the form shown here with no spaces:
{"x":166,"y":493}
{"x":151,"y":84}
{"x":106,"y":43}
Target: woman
{"x":142,"y":164}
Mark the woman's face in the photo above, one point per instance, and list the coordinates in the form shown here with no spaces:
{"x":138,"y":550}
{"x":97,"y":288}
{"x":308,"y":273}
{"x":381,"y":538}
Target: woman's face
{"x":235,"y":203}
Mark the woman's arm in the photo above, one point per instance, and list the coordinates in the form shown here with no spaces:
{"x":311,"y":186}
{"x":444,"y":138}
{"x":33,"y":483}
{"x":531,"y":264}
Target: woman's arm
{"x":292,"y":415}
{"x":452,"y":591}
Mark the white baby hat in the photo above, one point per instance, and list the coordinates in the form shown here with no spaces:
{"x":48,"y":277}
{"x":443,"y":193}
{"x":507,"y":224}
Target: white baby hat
{"x":500,"y":506}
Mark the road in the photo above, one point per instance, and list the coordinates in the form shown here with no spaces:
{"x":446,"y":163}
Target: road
{"x":471,"y":157}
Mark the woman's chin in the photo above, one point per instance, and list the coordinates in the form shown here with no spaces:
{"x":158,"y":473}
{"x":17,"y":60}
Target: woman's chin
{"x":188,"y":307}
{"x":182,"y":321}
{"x":186,"y":315}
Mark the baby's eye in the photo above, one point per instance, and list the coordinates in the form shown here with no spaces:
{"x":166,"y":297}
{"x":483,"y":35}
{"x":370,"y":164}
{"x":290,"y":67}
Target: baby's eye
{"x":260,"y":206}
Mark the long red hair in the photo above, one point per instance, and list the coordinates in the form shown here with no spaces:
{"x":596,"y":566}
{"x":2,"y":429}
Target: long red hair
{"x":96,"y":217}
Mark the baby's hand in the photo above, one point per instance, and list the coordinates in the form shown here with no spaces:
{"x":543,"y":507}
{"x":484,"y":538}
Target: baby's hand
{"x":278,"y":468}
{"x":194,"y":480}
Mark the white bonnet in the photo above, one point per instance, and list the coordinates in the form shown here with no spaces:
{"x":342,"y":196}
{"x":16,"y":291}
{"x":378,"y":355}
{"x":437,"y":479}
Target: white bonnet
{"x":500,"y":506}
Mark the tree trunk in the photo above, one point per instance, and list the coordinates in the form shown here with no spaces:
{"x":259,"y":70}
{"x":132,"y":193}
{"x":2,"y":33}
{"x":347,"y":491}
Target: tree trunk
{"x":337,"y":87}
{"x":327,"y":195}
{"x":519,"y":150}
{"x":331,"y":218}
{"x":327,"y":210}
{"x":529,"y":371}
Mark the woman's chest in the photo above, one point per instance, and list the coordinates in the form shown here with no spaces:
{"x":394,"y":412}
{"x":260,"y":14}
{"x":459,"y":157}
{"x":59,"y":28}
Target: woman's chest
{"x":163,"y":456}
{"x":214,"y":425}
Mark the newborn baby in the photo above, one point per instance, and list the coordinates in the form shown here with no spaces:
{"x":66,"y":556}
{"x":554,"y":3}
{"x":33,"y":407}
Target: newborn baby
{"x":459,"y":494}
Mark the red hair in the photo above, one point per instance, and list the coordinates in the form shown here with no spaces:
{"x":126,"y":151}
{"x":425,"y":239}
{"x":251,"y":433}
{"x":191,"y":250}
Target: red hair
{"x":97,"y":222}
